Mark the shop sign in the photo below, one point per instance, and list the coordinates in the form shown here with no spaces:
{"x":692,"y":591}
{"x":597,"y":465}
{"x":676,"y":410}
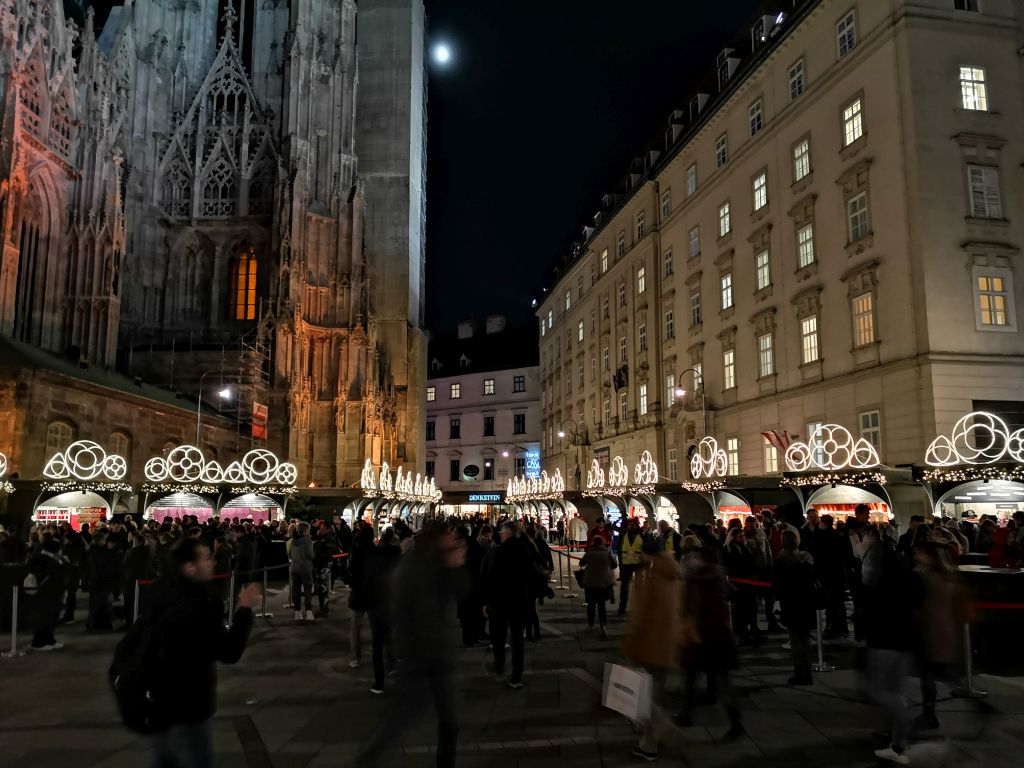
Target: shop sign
{"x":485,"y":498}
{"x":533,"y":465}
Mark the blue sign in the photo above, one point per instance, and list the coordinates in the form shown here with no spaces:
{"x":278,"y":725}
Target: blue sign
{"x":485,"y":498}
{"x":533,"y":464}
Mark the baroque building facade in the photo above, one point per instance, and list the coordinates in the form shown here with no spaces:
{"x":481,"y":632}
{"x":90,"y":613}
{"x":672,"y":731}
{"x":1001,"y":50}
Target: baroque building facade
{"x":184,"y":193}
{"x":826,"y":231}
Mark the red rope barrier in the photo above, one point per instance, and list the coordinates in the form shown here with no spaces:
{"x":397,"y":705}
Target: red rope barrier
{"x":998,"y":606}
{"x":750,"y":582}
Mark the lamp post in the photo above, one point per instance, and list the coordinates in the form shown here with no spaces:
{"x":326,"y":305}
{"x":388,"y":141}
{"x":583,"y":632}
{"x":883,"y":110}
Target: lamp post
{"x":681,"y":392}
{"x":574,"y":431}
{"x":224,"y":393}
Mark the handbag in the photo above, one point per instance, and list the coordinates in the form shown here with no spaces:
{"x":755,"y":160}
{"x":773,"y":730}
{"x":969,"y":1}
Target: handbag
{"x":627,"y":690}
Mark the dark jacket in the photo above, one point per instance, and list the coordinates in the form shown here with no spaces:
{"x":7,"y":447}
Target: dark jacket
{"x":380,"y":577}
{"x":892,"y":593}
{"x":359,"y":596}
{"x":424,"y":608}
{"x":793,"y":585}
{"x":102,"y":569}
{"x":302,"y":555}
{"x":597,"y":564}
{"x":51,"y":573}
{"x":192,"y":639}
{"x":507,"y":572}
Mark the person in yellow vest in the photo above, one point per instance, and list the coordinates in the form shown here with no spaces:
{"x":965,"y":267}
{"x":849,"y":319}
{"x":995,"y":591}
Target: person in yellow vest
{"x":631,"y":549}
{"x":670,"y":540}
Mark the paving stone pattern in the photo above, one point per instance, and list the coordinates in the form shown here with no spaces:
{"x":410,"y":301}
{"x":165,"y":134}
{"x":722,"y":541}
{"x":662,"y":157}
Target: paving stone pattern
{"x":293,"y":702}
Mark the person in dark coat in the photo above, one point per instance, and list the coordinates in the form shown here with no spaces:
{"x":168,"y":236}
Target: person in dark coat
{"x":74,"y":552}
{"x":49,"y":571}
{"x":831,"y":569}
{"x":380,"y":577}
{"x":742,"y":564}
{"x":542,"y":565}
{"x":359,"y":596}
{"x":471,"y":609}
{"x":192,"y":639}
{"x":138,"y":565}
{"x":507,"y":573}
{"x":794,"y":586}
{"x":597,"y":564}
{"x":101,"y":580}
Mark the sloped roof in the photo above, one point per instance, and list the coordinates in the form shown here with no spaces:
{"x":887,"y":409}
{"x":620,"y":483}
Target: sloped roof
{"x":514,"y":347}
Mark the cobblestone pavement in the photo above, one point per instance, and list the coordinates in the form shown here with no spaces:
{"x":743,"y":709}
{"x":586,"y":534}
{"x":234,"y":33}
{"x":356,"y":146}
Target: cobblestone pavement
{"x":294,"y":702}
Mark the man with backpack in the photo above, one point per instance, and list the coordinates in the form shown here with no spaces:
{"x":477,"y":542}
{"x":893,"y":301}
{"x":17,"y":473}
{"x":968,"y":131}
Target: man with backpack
{"x":164,"y":672}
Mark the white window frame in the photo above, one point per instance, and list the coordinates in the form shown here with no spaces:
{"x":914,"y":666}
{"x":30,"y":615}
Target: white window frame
{"x":870,"y":423}
{"x":853,"y":121}
{"x":765,"y":355}
{"x":666,"y":262}
{"x":642,"y":336}
{"x":805,"y":245}
{"x":858,"y":223}
{"x":762,"y":269}
{"x":622,"y":294}
{"x":568,"y":300}
{"x":724,"y":219}
{"x":771,"y":457}
{"x":455,"y":391}
{"x":666,"y":204}
{"x":755,"y":115}
{"x":431,"y":394}
{"x":973,"y":88}
{"x":732,"y":456}
{"x":796,"y":80}
{"x":846,"y":33}
{"x":641,"y":228}
{"x":691,"y":179}
{"x":641,"y":280}
{"x":695,"y":242}
{"x":728,"y":368}
{"x":983,"y":296}
{"x":579,"y":331}
{"x":673,"y":463}
{"x":623,"y":406}
{"x":488,"y":386}
{"x":983,"y":193}
{"x":604,"y":261}
{"x":726,"y":284}
{"x":620,"y":244}
{"x":819,"y":452}
{"x":696,"y":318}
{"x":551,"y":318}
{"x":721,"y":150}
{"x":801,"y":159}
{"x":670,"y":388}
{"x":623,"y":354}
{"x":670,"y":324}
{"x":810,"y":344}
{"x":862,"y":308}
{"x":760,"y":190}
{"x":607,"y":410}
{"x":643,"y":400}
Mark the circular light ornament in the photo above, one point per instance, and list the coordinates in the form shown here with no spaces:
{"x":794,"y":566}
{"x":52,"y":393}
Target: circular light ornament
{"x":156,"y":469}
{"x":260,"y":466}
{"x":980,"y":438}
{"x":185,"y":464}
{"x":85,"y":459}
{"x":287,"y":473}
{"x":115,"y":467}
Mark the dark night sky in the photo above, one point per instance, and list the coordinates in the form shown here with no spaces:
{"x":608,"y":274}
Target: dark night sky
{"x":538,"y":114}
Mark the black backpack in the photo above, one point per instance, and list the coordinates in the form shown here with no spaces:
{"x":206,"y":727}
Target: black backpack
{"x":133,"y":679}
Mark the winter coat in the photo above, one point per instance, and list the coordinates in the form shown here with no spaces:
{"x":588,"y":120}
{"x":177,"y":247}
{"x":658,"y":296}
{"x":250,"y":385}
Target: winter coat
{"x":597,"y":564}
{"x":423,"y":612}
{"x":707,"y":630}
{"x":793,"y":585}
{"x":50,"y":571}
{"x":892,"y":593}
{"x":302,"y":555}
{"x":380,"y":576}
{"x":940,"y":630}
{"x":507,"y":571}
{"x":652,"y":637}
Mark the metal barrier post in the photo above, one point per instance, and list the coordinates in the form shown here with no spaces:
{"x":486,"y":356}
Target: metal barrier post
{"x":135,"y":606}
{"x":970,"y":692}
{"x":568,"y":563}
{"x":231,"y":598}
{"x":263,"y":600}
{"x":821,"y":666}
{"x":14,"y":652}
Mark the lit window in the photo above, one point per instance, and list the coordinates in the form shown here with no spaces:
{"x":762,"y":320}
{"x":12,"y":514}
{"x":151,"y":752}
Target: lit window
{"x":796,"y":80}
{"x":670,"y":325}
{"x":993,"y":299}
{"x":620,"y":244}
{"x":456,"y":391}
{"x":488,"y":386}
{"x":691,"y":179}
{"x":809,"y":339}
{"x":431,"y":394}
{"x":666,"y":203}
{"x":604,"y":261}
{"x":641,"y":280}
{"x":727,"y":290}
{"x":986,"y":202}
{"x":622,"y":350}
{"x":642,"y":332}
{"x":622,"y":294}
{"x":771,"y":457}
{"x":871,"y":428}
{"x":643,"y":399}
{"x":640,"y":229}
{"x":819,"y":452}
{"x":732,"y":454}
{"x":543,"y":327}
{"x":760,"y":191}
{"x":765,"y":355}
{"x":846,"y":34}
{"x":518,"y":383}
{"x":607,"y":410}
{"x":974,"y":94}
{"x":673,"y":464}
{"x":695,"y":318}
{"x":763,"y":270}
{"x":551,"y":318}
{"x":243,"y":286}
{"x":801,"y":159}
{"x":721,"y":151}
{"x":863,"y":320}
{"x":724,"y":220}
{"x":805,"y":245}
{"x":857,"y":216}
{"x":667,"y":262}
{"x":729,"y":369}
{"x":853,"y":122}
{"x":695,"y":242}
{"x":756,"y":116}
{"x":579,"y":331}
{"x":670,"y":388}
{"x":568,"y":300}
{"x":623,"y":406}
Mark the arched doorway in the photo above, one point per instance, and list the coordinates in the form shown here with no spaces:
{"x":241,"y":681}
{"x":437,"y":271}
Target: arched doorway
{"x":74,"y":507}
{"x":840,"y":501}
{"x":975,"y":498}
{"x":253,"y":506}
{"x":177,"y":505}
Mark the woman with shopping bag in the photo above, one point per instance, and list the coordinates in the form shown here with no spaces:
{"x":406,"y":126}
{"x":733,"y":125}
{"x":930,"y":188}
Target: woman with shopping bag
{"x":653,"y":631}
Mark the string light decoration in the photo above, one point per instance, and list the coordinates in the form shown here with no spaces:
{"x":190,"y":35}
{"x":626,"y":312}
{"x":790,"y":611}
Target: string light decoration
{"x":6,"y":486}
{"x":543,"y":488}
{"x":646,"y":470}
{"x":959,"y":475}
{"x":85,"y":460}
{"x":978,"y":438}
{"x":618,"y":475}
{"x":421,"y":490}
{"x":835,"y":478}
{"x":186,"y":464}
{"x":64,"y":486}
{"x":831,"y":447}
{"x":166,"y":488}
{"x":708,"y":486}
{"x":708,"y":460}
{"x":595,"y":476}
{"x":616,"y":483}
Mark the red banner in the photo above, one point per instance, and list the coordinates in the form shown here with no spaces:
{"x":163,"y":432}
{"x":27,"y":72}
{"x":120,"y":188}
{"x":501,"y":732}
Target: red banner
{"x":259,"y":421}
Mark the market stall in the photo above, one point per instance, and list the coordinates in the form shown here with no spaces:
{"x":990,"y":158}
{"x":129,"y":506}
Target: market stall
{"x":84,"y":484}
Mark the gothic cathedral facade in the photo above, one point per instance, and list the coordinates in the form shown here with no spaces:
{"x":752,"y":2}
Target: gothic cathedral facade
{"x":226,"y":186}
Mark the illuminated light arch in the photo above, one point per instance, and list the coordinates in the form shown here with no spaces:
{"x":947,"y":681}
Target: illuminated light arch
{"x":618,"y":475}
{"x":85,"y":460}
{"x":595,"y":476}
{"x":831,"y":447}
{"x":646,"y":470}
{"x":188,"y":464}
{"x":708,"y":460}
{"x":978,"y":437}
{"x":3,"y":465}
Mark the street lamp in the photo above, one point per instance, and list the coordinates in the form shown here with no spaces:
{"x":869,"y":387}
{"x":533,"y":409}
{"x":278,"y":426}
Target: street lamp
{"x":574,"y":432}
{"x":224,"y":393}
{"x":681,"y":392}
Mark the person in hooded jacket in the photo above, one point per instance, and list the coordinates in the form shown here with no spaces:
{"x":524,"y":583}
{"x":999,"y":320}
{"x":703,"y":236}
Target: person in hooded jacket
{"x":191,"y":639}
{"x":301,"y":571}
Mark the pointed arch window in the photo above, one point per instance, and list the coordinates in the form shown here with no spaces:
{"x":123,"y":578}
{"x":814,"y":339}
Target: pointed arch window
{"x":220,"y":190}
{"x":242,"y":301}
{"x":174,"y":190}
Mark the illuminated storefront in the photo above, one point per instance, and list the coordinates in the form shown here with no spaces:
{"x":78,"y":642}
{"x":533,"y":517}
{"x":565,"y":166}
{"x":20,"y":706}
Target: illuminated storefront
{"x":84,"y":484}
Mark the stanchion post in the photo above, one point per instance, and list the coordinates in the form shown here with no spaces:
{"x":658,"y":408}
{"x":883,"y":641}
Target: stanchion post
{"x":231,"y":598}
{"x":970,"y":692}
{"x":821,"y":666}
{"x":263,"y":600}
{"x":135,"y":605}
{"x":14,"y":652}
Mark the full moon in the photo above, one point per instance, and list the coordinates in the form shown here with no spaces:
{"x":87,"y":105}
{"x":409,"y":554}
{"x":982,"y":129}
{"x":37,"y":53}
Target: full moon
{"x":442,"y":53}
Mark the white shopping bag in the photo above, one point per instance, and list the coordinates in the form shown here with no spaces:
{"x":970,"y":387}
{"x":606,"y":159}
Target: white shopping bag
{"x":627,"y":690}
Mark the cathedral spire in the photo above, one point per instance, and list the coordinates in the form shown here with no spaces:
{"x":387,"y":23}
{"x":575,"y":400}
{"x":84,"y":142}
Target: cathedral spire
{"x":229,"y":17}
